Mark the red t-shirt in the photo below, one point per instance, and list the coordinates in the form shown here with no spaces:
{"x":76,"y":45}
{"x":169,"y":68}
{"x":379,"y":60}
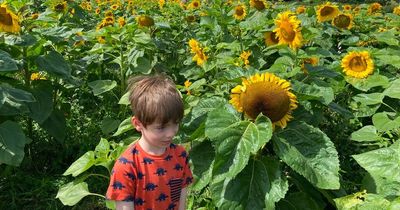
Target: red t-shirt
{"x":151,"y":182}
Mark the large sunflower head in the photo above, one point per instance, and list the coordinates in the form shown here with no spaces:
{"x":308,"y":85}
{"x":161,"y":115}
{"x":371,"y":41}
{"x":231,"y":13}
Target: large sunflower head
{"x":374,"y":7}
{"x":265,"y":93}
{"x":239,"y":12}
{"x":358,"y":64}
{"x":259,"y":4}
{"x":9,"y":22}
{"x":195,"y":4}
{"x":326,"y":12}
{"x":288,"y":29}
{"x":343,"y":21}
{"x":145,"y":21}
{"x":270,"y":38}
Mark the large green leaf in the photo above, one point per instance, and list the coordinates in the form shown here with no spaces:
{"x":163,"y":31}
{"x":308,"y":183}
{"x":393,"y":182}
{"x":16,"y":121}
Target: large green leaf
{"x":366,"y":84}
{"x":389,"y":37}
{"x":86,"y":161}
{"x":55,"y":125}
{"x":12,"y":143}
{"x":14,"y":101}
{"x":124,"y":126}
{"x":42,"y":108}
{"x":259,"y":186}
{"x":235,"y":140}
{"x":384,"y":167}
{"x":298,"y":201}
{"x":54,"y":63}
{"x":365,"y":134}
{"x":7,"y":63}
{"x":309,"y":152}
{"x":369,"y":99}
{"x":202,"y":156}
{"x":313,"y":92}
{"x":101,"y":86}
{"x":362,"y":201}
{"x":71,"y":193}
{"x":393,"y":90}
{"x":386,"y":121}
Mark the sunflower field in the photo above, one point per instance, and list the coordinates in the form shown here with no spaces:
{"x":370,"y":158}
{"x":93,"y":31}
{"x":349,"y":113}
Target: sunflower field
{"x":288,"y":104}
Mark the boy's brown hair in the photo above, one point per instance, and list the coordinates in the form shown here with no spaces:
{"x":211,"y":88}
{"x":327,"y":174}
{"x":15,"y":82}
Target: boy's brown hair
{"x":154,"y":98}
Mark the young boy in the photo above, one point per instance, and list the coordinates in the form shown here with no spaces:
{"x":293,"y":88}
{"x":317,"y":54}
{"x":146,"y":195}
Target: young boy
{"x":153,"y":173}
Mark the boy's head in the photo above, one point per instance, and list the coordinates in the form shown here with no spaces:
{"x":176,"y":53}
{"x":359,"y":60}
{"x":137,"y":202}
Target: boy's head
{"x":155,"y":99}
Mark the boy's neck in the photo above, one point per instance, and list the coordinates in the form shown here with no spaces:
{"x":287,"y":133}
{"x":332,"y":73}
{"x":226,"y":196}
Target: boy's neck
{"x":151,"y":149}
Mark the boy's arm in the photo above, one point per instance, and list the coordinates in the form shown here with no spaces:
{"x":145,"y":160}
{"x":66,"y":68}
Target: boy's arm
{"x":123,"y":205}
{"x":182,"y":200}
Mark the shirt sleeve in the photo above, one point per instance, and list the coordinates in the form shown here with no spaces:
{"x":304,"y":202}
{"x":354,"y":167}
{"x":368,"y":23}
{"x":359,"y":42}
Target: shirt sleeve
{"x":187,"y":172}
{"x":122,"y":181}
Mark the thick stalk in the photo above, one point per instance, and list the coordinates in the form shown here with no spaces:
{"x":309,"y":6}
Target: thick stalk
{"x":27,"y":81}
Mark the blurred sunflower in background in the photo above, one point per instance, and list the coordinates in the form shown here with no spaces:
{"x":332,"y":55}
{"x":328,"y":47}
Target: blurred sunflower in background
{"x":358,"y":64}
{"x":270,"y":38}
{"x":59,"y":6}
{"x":195,"y":4}
{"x":9,"y":22}
{"x":326,"y":12}
{"x":374,"y":7}
{"x":343,"y":21}
{"x":396,"y":10}
{"x":347,"y":7}
{"x":244,"y":56}
{"x":288,"y":29}
{"x":300,"y":9}
{"x":313,"y":61}
{"x":145,"y":21}
{"x":199,"y":56}
{"x":267,"y":94}
{"x":259,"y":4}
{"x":239,"y":12}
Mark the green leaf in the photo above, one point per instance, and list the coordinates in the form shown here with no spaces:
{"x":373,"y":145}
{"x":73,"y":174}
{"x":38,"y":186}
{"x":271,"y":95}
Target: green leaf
{"x":363,"y":110}
{"x":309,"y":152}
{"x":12,"y":143}
{"x":86,"y":161}
{"x":258,"y":186}
{"x":366,"y":84}
{"x":387,"y":56}
{"x":7,"y":63}
{"x":389,"y":37}
{"x":298,"y":201}
{"x":361,"y":201}
{"x":124,"y":100}
{"x":384,"y":167}
{"x":55,"y":125}
{"x":393,"y":91}
{"x":71,"y":193}
{"x":108,"y":125}
{"x":143,"y":65}
{"x":235,"y":140}
{"x":125,"y":126}
{"x":101,"y":86}
{"x":365,"y":134}
{"x":382,"y":121}
{"x":54,"y":63}
{"x":202,"y":156}
{"x":42,"y":108}
{"x":313,"y":92}
{"x":369,"y":99}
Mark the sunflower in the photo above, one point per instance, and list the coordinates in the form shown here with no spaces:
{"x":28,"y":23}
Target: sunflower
{"x":258,"y":4}
{"x":101,"y":39}
{"x":37,"y":76}
{"x":245,"y":57}
{"x":374,"y":7}
{"x":199,"y":56}
{"x":396,"y":10}
{"x":358,"y":64}
{"x":35,"y":16}
{"x":267,"y":94}
{"x":300,"y":9}
{"x":161,"y":3}
{"x":194,"y":46}
{"x":97,"y":11}
{"x":326,"y":12}
{"x":121,"y":22}
{"x":270,"y":38}
{"x":59,"y":6}
{"x":343,"y":21}
{"x":114,"y":6}
{"x":109,"y":13}
{"x":356,"y":10}
{"x":288,"y":30}
{"x":145,"y":21}
{"x":347,"y":7}
{"x":9,"y":22}
{"x":187,"y":85}
{"x":194,"y":4}
{"x":239,"y":12}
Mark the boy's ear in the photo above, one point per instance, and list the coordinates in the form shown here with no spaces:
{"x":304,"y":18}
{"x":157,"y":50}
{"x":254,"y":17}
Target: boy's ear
{"x":136,"y":123}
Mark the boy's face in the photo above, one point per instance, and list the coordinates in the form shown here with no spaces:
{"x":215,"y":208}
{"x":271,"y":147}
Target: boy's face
{"x":156,"y":134}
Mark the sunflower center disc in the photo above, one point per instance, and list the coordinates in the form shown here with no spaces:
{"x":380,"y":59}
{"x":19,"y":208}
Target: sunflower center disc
{"x":342,"y":21}
{"x":239,"y":11}
{"x":6,"y":19}
{"x":267,"y":98}
{"x":287,"y":31}
{"x":326,"y":11}
{"x":358,"y":64}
